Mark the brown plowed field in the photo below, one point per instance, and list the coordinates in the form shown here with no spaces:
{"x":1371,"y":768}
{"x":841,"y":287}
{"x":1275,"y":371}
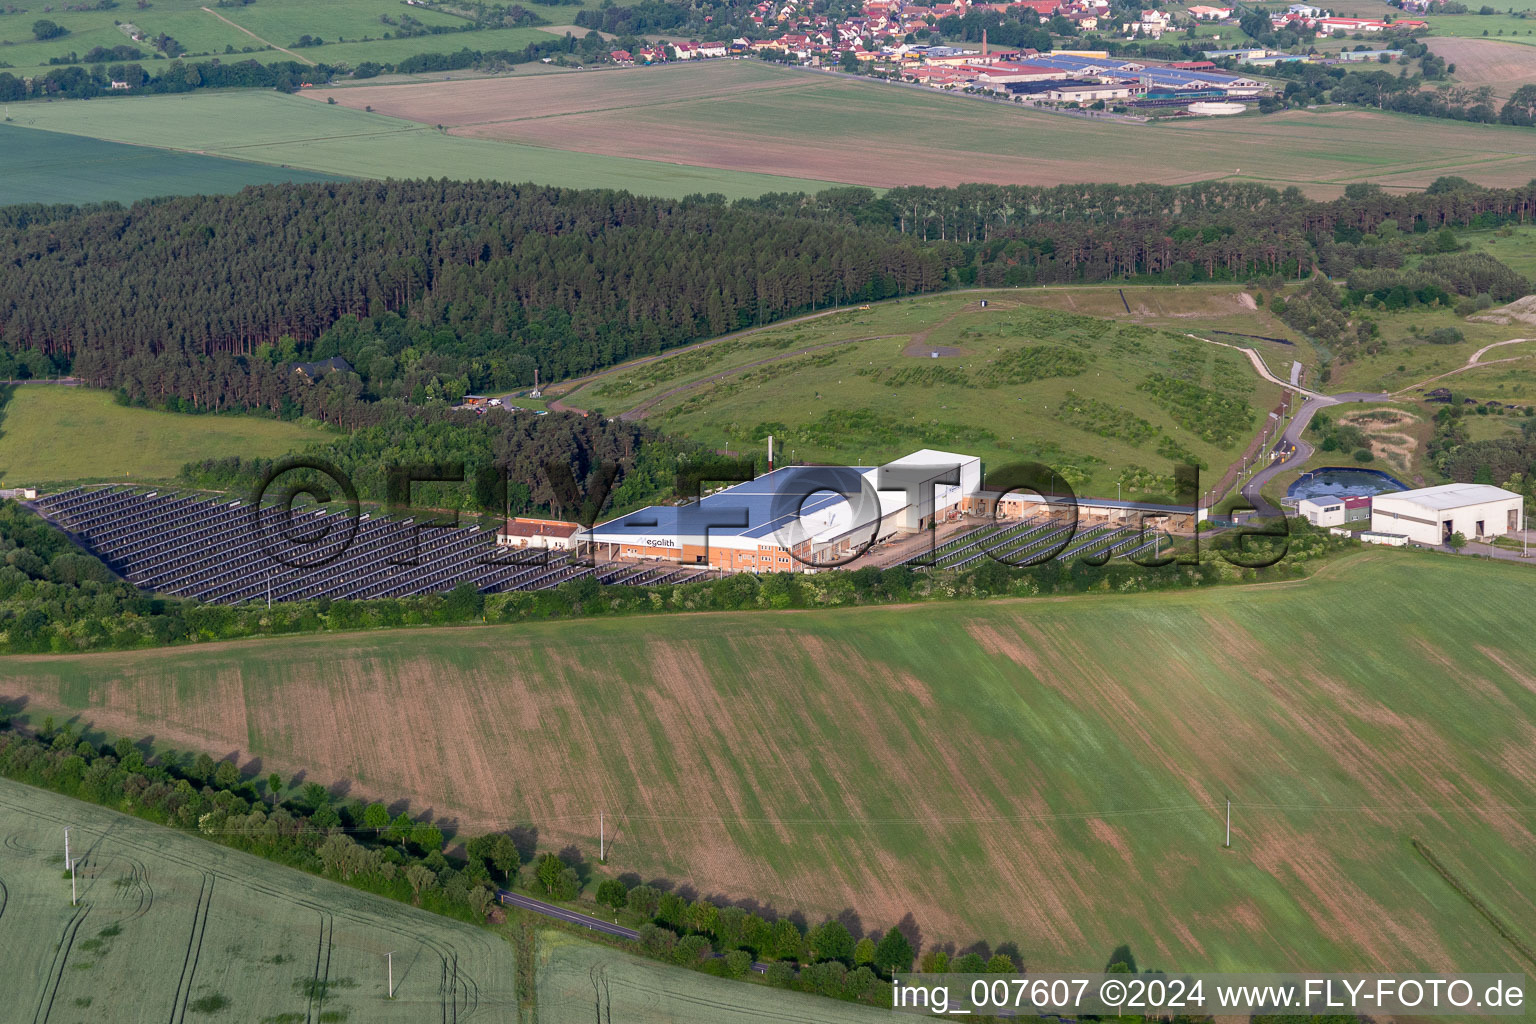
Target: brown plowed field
{"x":1505,"y":66}
{"x":746,"y":115}
{"x":1052,"y":772}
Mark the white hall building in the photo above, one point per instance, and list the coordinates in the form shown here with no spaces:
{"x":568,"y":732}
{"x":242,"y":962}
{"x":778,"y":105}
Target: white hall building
{"x":1430,"y":515}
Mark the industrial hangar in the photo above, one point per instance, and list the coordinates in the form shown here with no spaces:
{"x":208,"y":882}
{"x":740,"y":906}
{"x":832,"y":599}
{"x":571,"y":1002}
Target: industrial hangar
{"x":799,"y":516}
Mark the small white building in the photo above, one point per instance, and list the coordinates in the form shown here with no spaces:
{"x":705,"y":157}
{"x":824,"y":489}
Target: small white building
{"x":1334,"y":509}
{"x":547,"y":534}
{"x":1430,"y":515}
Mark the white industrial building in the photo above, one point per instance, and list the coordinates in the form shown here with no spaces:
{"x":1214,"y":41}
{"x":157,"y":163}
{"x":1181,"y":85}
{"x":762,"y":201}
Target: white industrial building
{"x":792,"y":518}
{"x":1430,"y":515}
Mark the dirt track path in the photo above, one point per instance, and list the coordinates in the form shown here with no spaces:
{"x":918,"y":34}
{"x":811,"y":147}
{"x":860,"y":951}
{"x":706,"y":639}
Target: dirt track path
{"x":296,"y":56}
{"x":1473,"y":361}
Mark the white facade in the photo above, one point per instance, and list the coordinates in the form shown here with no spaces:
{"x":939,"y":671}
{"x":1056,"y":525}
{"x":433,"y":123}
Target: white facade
{"x":911,"y":480}
{"x":1327,"y":511}
{"x":1430,"y":515}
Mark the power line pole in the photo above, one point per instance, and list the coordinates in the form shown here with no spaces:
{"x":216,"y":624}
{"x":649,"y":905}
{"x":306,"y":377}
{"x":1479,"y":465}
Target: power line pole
{"x":389,"y":960}
{"x":1229,"y":823}
{"x":602,"y":840}
{"x":66,"y":846}
{"x":74,"y":897}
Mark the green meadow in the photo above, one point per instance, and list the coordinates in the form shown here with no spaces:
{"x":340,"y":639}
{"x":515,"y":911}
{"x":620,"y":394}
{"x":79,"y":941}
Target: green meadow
{"x":1007,"y":382}
{"x":50,"y":434}
{"x":1052,"y":772}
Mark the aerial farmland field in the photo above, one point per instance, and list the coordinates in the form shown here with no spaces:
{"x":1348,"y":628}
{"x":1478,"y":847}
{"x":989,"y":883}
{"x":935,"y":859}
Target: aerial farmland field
{"x":1503,"y":65}
{"x":269,"y":128}
{"x":50,"y":167}
{"x":1050,"y":772}
{"x":264,"y":31}
{"x":746,"y":115}
{"x":170,"y":927}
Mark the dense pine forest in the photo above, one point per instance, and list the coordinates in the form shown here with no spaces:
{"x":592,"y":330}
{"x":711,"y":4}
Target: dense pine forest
{"x":473,"y":284}
{"x":434,"y":289}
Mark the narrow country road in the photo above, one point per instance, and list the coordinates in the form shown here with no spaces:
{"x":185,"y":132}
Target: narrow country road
{"x":1473,"y":361}
{"x":1289,"y":449}
{"x":1292,"y":450}
{"x":597,"y":924}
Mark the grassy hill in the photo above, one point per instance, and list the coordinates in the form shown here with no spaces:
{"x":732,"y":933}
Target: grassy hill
{"x":1050,"y":771}
{"x":1090,"y":397}
{"x":51,"y":434}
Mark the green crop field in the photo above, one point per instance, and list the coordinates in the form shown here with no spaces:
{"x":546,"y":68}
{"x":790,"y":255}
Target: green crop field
{"x":1051,"y":771}
{"x":1011,"y":382}
{"x":50,"y":434}
{"x":353,"y":31}
{"x":48,"y":167}
{"x":276,"y":129}
{"x":172,"y":927}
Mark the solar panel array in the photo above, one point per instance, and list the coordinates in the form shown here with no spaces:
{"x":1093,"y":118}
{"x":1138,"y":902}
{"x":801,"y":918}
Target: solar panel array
{"x":216,"y":551}
{"x":1023,"y":542}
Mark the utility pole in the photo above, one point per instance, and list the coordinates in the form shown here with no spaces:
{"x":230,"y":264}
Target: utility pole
{"x":389,"y":960}
{"x":66,"y":846}
{"x":74,"y":898}
{"x":1229,"y":823}
{"x":602,"y":840}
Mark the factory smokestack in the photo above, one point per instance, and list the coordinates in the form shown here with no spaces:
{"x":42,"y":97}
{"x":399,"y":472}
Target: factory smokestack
{"x":770,"y":453}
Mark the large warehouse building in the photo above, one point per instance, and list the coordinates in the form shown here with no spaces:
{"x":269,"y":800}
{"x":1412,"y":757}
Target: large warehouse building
{"x":1431,"y":515}
{"x":793,"y":518}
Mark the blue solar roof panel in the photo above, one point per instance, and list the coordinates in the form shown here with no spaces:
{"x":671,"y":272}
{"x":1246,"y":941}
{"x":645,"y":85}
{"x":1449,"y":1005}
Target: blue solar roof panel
{"x":754,"y":509}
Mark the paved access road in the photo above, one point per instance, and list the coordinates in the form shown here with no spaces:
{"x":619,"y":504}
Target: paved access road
{"x":597,"y":924}
{"x":1290,"y":450}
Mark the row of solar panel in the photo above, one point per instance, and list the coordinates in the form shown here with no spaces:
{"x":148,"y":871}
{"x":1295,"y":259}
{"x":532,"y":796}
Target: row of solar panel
{"x":229,"y":552}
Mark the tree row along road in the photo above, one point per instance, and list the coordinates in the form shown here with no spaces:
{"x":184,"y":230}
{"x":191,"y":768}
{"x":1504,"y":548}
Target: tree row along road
{"x":597,"y":924}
